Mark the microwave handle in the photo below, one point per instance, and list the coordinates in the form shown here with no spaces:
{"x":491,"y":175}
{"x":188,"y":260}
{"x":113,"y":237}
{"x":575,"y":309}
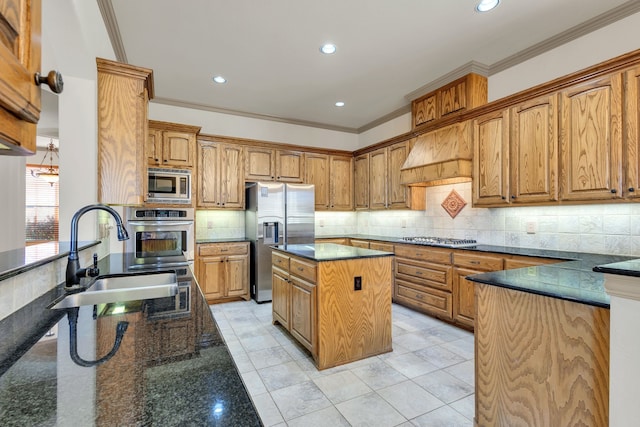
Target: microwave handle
{"x":160,"y":222}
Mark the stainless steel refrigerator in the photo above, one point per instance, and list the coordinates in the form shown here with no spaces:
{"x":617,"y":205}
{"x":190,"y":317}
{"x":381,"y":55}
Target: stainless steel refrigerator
{"x":276,"y":214}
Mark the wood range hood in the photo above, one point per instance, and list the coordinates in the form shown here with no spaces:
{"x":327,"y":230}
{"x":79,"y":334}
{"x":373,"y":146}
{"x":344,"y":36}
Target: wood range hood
{"x":440,"y":157}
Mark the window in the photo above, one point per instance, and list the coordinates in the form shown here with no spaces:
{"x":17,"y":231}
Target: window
{"x":41,"y":208}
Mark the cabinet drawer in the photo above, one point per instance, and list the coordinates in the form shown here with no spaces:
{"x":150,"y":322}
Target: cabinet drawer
{"x":478,"y":262}
{"x":377,"y":246}
{"x":359,"y":243}
{"x":521,"y":262}
{"x":303,"y":269}
{"x":434,"y":275}
{"x":430,"y":300}
{"x":441,"y":256}
{"x":279,"y":259}
{"x":223,"y":249}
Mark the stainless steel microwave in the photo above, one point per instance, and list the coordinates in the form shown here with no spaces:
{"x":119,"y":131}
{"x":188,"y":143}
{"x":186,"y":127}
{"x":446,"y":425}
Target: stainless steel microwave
{"x":169,"y":186}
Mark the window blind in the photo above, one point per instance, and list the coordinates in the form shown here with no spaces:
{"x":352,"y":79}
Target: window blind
{"x":42,"y":208}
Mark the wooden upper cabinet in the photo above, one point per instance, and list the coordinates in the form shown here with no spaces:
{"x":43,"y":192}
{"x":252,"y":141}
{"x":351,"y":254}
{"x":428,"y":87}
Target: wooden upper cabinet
{"x":397,"y":192}
{"x":260,"y":164}
{"x":341,"y":182}
{"x":465,"y":93}
{"x":220,"y":179}
{"x":490,"y":159}
{"x":591,"y":140}
{"x":378,"y":179}
{"x":20,"y":30}
{"x":361,"y":181}
{"x":631,"y":187}
{"x":533,"y":161}
{"x":171,"y":144}
{"x":289,"y":166}
{"x":268,"y":164}
{"x":123,"y":97}
{"x":317,"y":173}
{"x":425,"y":110}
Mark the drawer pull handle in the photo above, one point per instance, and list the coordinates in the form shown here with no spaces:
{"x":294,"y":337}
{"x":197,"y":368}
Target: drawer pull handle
{"x":418,"y":296}
{"x":224,"y":250}
{"x":300,"y":269}
{"x":418,"y":273}
{"x":474,"y":262}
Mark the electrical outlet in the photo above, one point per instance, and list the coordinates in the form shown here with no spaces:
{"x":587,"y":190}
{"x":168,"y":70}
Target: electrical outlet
{"x":209,"y":224}
{"x":531,"y":227}
{"x":357,"y":283}
{"x":404,"y":223}
{"x":321,"y":222}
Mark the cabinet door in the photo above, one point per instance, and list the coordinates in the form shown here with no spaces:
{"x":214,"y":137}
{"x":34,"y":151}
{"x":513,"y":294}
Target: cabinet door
{"x":631,"y":187}
{"x":231,"y":177}
{"x":491,"y":159}
{"x":211,"y":277}
{"x":154,"y":147}
{"x":303,"y":312}
{"x":341,"y":183}
{"x":289,"y":166}
{"x":316,"y":172}
{"x":237,"y":283}
{"x":208,"y":165}
{"x":453,"y":98}
{"x":396,"y":192}
{"x":378,"y":179}
{"x":177,"y":149}
{"x":424,"y":110}
{"x":533,"y":159}
{"x":591,"y":140}
{"x":20,"y":26}
{"x":463,"y":296}
{"x":260,"y":164}
{"x":280,"y":296}
{"x":361,"y":182}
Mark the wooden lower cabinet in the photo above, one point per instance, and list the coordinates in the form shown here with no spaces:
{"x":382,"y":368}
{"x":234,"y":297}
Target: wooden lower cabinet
{"x":540,"y":361}
{"x":463,"y":296}
{"x":359,"y":243}
{"x":223,"y":271}
{"x":317,"y":303}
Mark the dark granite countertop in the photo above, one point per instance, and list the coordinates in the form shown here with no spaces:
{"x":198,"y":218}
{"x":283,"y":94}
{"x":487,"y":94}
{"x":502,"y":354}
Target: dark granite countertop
{"x":329,"y":251}
{"x":227,"y":240}
{"x":18,"y":261}
{"x":577,"y":278}
{"x":172,"y":367}
{"x":623,"y":268}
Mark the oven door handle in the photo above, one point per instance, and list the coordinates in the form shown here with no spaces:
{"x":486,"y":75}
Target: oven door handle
{"x":161,"y":265}
{"x":160,"y":223}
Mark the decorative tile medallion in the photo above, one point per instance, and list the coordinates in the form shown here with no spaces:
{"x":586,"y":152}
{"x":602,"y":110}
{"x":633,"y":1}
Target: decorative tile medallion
{"x":453,"y":203}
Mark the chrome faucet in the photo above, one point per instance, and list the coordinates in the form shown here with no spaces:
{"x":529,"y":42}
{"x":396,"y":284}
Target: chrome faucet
{"x":74,"y":272}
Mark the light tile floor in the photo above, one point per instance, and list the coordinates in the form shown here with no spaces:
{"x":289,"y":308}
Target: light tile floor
{"x":428,"y":379}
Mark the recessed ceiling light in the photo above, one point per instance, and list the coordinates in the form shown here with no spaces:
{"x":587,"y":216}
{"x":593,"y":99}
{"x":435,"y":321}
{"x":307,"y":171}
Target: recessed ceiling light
{"x":219,"y":79}
{"x":328,"y":48}
{"x":339,"y":104}
{"x":486,"y":5}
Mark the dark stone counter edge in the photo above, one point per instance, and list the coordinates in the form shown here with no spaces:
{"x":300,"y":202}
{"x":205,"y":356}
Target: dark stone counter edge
{"x":16,"y":270}
{"x":618,"y":271}
{"x":225,"y":240}
{"x":480,"y":278}
{"x":300,"y":254}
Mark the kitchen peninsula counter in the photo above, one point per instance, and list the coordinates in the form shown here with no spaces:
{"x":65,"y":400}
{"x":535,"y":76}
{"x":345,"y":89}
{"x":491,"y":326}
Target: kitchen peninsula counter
{"x":172,"y":367}
{"x":334,"y":299}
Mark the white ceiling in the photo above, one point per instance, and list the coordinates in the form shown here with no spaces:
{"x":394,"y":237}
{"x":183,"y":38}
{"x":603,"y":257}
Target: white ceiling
{"x":389,"y":51}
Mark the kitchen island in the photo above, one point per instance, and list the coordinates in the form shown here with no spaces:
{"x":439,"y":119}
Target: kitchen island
{"x":171,"y":368}
{"x":334,"y":299}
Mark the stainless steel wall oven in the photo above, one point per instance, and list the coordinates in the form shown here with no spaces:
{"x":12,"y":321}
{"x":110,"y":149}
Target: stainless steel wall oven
{"x":159,"y":237}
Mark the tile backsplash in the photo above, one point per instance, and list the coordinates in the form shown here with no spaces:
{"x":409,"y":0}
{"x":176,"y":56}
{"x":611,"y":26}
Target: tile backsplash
{"x":605,"y":228}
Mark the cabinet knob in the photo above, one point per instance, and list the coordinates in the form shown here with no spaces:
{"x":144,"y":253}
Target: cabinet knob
{"x":631,"y":189}
{"x":165,"y":160}
{"x":53,"y":80}
{"x":614,"y":191}
{"x":503,"y":198}
{"x":513,"y":197}
{"x":157,"y":160}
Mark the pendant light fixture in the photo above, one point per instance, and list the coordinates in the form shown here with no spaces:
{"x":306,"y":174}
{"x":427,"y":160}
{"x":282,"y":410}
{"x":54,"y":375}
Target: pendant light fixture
{"x":48,"y":174}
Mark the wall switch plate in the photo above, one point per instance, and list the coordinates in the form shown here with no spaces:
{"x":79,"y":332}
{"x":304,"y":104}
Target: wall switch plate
{"x":357,"y":283}
{"x":321,"y":222}
{"x":404,"y":223}
{"x":531,"y":227}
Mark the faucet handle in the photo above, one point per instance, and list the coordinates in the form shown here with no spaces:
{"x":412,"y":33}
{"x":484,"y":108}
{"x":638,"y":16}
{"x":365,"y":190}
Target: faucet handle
{"x":94,"y":271}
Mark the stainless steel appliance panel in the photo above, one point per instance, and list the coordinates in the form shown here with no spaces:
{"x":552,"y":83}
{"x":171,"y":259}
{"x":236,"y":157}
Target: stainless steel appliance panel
{"x":275,"y":213}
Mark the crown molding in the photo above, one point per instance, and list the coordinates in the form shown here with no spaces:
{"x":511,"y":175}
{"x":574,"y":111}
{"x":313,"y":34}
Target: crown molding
{"x":111,"y":24}
{"x":392,"y":115}
{"x":195,"y":106}
{"x":624,"y":10}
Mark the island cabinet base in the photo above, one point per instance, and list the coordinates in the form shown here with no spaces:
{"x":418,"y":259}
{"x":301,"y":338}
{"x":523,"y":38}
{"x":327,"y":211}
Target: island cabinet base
{"x":317,"y":302}
{"x":353,"y":325}
{"x":540,"y":361}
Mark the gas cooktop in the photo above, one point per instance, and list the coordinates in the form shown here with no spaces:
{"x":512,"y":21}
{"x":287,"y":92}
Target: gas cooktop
{"x":445,"y":242}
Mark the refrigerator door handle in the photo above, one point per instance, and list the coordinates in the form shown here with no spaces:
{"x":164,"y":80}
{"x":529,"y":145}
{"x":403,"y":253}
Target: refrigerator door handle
{"x":270,"y":233}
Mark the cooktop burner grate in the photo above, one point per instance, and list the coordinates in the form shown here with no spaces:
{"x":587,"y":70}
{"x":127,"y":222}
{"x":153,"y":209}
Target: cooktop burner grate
{"x":445,"y":242}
